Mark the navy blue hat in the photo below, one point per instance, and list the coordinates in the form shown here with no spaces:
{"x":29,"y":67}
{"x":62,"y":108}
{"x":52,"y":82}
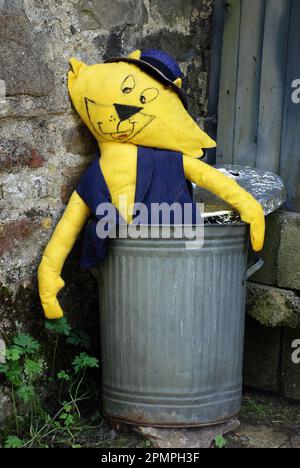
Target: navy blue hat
{"x":159,"y":65}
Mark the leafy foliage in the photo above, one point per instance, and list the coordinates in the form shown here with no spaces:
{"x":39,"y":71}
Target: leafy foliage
{"x":83,"y":361}
{"x":14,"y":353}
{"x":13,"y":442}
{"x":79,"y":338}
{"x":14,"y":374}
{"x":3,"y":368}
{"x":62,"y":375}
{"x":33,"y":367}
{"x":26,"y":393}
{"x":60,"y":327}
{"x":24,"y":371}
{"x":26,"y":343}
{"x":220,"y":442}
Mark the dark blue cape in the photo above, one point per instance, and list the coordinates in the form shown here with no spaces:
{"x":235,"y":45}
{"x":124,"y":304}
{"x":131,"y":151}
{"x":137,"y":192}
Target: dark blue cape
{"x":160,"y":179}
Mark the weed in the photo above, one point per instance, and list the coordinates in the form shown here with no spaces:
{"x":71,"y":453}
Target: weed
{"x":253,"y":409}
{"x":24,"y":371}
{"x":220,"y":442}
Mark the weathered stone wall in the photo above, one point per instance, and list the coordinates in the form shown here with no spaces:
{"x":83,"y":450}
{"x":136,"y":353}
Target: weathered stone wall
{"x":273,"y":300}
{"x":43,"y":145}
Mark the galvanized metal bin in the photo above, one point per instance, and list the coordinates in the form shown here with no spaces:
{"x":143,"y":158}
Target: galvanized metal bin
{"x":172,"y":328}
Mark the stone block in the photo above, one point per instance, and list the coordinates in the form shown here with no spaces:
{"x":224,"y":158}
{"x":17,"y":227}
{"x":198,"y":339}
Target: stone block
{"x":268,"y":273}
{"x":262,"y":356}
{"x":273,"y":307}
{"x":180,"y":46}
{"x":2,"y":350}
{"x":22,"y":63}
{"x":171,"y":13}
{"x":288,"y":256}
{"x":6,"y":406}
{"x":106,"y":14}
{"x":290,"y":374}
{"x":72,"y":176}
{"x":79,"y":140}
{"x":14,"y":233}
{"x":187,"y":438}
{"x":17,"y":153}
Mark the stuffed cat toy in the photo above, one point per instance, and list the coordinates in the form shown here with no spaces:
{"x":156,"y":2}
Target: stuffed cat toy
{"x":149,"y":146}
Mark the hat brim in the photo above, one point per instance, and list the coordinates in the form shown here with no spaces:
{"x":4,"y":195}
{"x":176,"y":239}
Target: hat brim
{"x":151,"y":70}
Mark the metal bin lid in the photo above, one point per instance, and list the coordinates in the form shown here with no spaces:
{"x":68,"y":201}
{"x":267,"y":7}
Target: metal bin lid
{"x":266,"y":187}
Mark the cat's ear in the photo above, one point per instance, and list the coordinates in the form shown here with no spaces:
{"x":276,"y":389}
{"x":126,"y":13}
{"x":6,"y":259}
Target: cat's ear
{"x":76,"y":68}
{"x":178,"y":82}
{"x":136,"y":54}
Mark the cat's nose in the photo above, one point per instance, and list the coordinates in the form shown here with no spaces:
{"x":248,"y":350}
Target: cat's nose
{"x":125,"y":112}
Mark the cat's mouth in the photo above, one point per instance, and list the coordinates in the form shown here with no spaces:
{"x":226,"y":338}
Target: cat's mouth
{"x":124,"y":135}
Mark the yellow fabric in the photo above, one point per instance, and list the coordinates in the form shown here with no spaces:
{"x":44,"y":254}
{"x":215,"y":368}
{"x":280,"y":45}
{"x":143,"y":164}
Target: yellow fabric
{"x":98,"y":93}
{"x":162,"y":121}
{"x":59,"y":247}
{"x":119,"y":169}
{"x":211,"y":179}
{"x":136,"y":54}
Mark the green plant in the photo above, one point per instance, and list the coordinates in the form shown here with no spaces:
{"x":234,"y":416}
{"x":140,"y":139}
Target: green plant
{"x":254,"y":409}
{"x":13,"y":442}
{"x":58,"y":328}
{"x":220,"y":442}
{"x":79,"y":338}
{"x":24,"y":371}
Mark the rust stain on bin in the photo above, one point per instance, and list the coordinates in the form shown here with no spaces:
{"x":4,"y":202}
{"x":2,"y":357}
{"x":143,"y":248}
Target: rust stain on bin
{"x":139,"y":421}
{"x":172,"y":329}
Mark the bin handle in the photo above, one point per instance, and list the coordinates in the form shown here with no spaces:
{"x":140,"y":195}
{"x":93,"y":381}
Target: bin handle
{"x":94,"y":272}
{"x":259,"y":263}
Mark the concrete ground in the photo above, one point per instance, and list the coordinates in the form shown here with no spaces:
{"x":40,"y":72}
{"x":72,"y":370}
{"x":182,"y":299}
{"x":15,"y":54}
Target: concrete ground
{"x":267,"y":422}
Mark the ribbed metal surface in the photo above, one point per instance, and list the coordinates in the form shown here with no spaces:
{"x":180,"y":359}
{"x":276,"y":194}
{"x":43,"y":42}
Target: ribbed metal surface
{"x":172,"y":329}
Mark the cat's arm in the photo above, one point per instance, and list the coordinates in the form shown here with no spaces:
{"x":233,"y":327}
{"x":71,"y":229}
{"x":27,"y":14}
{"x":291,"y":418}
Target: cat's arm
{"x":211,"y":179}
{"x":57,"y":250}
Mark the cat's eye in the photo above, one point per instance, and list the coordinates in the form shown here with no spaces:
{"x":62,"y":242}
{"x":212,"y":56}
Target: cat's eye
{"x":128,"y":84}
{"x":148,"y":95}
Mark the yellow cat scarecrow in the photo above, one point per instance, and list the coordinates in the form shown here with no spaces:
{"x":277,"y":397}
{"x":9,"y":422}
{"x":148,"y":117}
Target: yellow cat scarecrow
{"x":150,"y":147}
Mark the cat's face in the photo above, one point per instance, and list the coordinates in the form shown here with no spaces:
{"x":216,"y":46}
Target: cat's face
{"x":121,"y":103}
